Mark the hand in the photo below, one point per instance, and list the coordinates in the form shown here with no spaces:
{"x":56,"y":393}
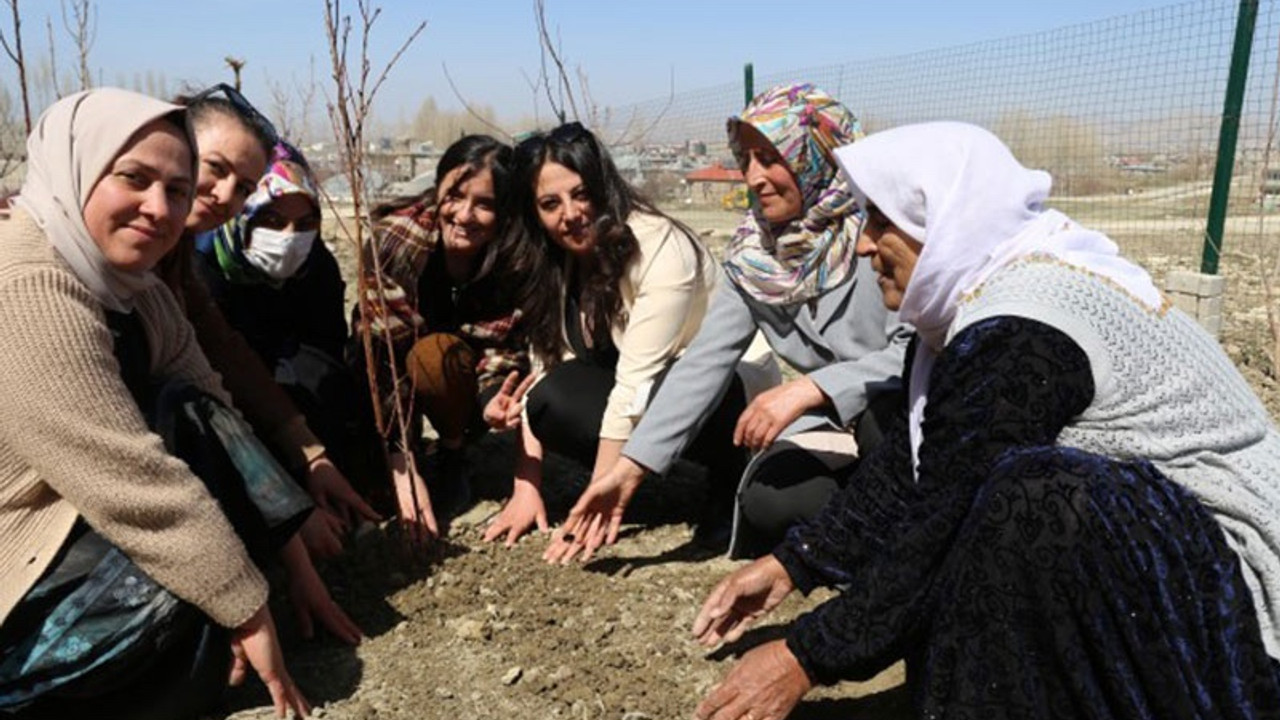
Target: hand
{"x":746,"y":595}
{"x":412,"y":501}
{"x":773,"y":410}
{"x":322,"y":534}
{"x":522,"y":511}
{"x":595,"y":519}
{"x":311,"y":601}
{"x":766,"y":684}
{"x":331,"y":491}
{"x":255,"y":644}
{"x":502,"y":412}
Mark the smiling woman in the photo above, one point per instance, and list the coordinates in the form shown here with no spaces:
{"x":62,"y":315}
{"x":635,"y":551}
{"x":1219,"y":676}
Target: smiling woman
{"x":136,"y":211}
{"x":619,"y":291}
{"x":453,"y":275}
{"x":792,"y":276}
{"x":125,"y":579}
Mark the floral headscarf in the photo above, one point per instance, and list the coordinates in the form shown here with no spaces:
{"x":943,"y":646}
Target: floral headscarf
{"x":813,"y":253}
{"x":288,"y":174}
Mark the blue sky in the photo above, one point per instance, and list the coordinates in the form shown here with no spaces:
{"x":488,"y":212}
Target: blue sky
{"x":630,"y":50}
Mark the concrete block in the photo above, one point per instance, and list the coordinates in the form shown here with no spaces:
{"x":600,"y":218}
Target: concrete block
{"x":1194,"y":283}
{"x":1211,"y":285}
{"x":1209,"y":307}
{"x":1182,"y":282}
{"x":1188,"y":304}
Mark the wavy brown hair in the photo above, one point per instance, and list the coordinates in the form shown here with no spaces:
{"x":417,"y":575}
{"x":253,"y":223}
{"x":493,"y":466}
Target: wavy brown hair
{"x":613,"y":200}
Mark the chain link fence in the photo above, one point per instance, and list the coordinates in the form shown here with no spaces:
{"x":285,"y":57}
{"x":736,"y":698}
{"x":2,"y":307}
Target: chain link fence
{"x":1125,"y":113}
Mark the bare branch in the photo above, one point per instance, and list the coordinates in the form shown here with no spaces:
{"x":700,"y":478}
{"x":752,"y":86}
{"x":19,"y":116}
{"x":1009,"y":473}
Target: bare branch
{"x":82,"y":34}
{"x":19,"y":60}
{"x":534,"y":85}
{"x":53,"y":58}
{"x":349,"y":110}
{"x":236,"y":64}
{"x":549,"y":49}
{"x":626,"y":138}
{"x":470,"y":110}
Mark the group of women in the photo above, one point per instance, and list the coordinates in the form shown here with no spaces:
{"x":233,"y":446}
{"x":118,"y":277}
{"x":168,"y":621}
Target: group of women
{"x":1022,"y":470}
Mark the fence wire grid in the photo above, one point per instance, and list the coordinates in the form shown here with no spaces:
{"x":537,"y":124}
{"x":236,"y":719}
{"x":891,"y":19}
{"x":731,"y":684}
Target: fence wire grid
{"x":1125,"y":113}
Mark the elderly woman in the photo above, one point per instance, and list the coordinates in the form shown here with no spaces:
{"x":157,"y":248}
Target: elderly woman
{"x":1078,"y":514}
{"x":790,"y":274}
{"x":122,"y":577}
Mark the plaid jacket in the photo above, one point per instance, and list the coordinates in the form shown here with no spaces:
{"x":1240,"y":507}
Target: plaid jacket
{"x":413,"y":297}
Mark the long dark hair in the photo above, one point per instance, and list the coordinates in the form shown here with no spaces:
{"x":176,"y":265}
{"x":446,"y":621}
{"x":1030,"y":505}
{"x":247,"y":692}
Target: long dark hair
{"x":504,"y":262}
{"x":613,"y":200}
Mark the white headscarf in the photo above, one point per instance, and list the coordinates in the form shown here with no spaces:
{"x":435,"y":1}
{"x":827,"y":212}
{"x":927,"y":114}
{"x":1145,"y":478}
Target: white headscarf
{"x":70,"y":148}
{"x":959,"y":191}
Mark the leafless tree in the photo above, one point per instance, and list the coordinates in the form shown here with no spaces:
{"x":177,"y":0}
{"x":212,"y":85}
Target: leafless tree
{"x":292,"y":107}
{"x":236,"y":65}
{"x":560,"y":98}
{"x":354,"y":90}
{"x":12,"y":145}
{"x":53,"y":58}
{"x":14,"y":51}
{"x":560,"y":89}
{"x":83,"y":30}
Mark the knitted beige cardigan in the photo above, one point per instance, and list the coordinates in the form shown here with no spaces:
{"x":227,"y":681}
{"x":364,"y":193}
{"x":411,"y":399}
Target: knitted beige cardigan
{"x":73,"y":442}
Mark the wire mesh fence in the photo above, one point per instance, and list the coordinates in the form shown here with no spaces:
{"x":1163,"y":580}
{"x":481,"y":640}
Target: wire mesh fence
{"x":1124,"y":113}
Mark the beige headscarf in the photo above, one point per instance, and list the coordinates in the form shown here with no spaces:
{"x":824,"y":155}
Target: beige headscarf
{"x":71,"y":146}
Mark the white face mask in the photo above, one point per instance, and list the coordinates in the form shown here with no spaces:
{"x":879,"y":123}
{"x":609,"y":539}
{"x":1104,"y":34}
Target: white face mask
{"x":277,"y":253}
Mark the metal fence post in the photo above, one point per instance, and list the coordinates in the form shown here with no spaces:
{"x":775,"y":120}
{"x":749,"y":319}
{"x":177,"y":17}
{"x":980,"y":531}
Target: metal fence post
{"x":1245,"y":21}
{"x":748,"y":83}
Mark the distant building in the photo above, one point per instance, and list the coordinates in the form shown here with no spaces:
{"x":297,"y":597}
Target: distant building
{"x":713,"y":183}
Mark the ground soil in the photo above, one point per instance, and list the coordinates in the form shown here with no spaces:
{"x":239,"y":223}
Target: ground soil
{"x":472,"y":630}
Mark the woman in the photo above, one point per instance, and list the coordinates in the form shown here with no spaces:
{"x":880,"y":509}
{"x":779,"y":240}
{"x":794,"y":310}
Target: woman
{"x":1078,"y":513}
{"x":620,"y":293}
{"x":120,"y":566}
{"x":790,"y":274}
{"x":233,"y":145}
{"x":452,"y":277}
{"x":283,"y":291}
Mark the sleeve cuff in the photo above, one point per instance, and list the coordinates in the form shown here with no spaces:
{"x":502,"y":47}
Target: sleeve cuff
{"x":796,"y":569}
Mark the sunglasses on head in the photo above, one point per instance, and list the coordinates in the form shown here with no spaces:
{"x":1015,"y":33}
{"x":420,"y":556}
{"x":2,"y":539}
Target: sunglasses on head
{"x":242,"y":106}
{"x":565,"y":134}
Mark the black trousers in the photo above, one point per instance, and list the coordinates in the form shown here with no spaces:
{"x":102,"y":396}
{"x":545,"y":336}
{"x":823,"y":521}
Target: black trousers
{"x":787,"y":483}
{"x":565,"y":411}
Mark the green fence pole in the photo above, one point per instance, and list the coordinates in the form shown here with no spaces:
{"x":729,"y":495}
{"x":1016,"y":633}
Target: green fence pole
{"x":748,"y":83}
{"x":1231,"y":109}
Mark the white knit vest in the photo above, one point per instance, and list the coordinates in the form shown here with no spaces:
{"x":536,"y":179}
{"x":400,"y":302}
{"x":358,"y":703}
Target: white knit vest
{"x":1164,"y":391}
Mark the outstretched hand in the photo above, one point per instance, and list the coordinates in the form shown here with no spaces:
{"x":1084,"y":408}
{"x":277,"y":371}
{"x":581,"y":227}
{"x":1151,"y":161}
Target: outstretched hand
{"x":746,"y":595}
{"x":595,"y":519}
{"x":413,"y":503}
{"x":254,"y":644}
{"x":766,"y":684}
{"x":331,"y":491}
{"x":524,"y":510}
{"x":773,"y":410}
{"x":502,"y":412}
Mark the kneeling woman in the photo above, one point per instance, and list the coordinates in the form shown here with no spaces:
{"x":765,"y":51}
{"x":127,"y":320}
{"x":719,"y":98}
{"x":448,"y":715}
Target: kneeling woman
{"x":1079,"y":512}
{"x":120,"y":566}
{"x":281,"y":288}
{"x":622,"y":290}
